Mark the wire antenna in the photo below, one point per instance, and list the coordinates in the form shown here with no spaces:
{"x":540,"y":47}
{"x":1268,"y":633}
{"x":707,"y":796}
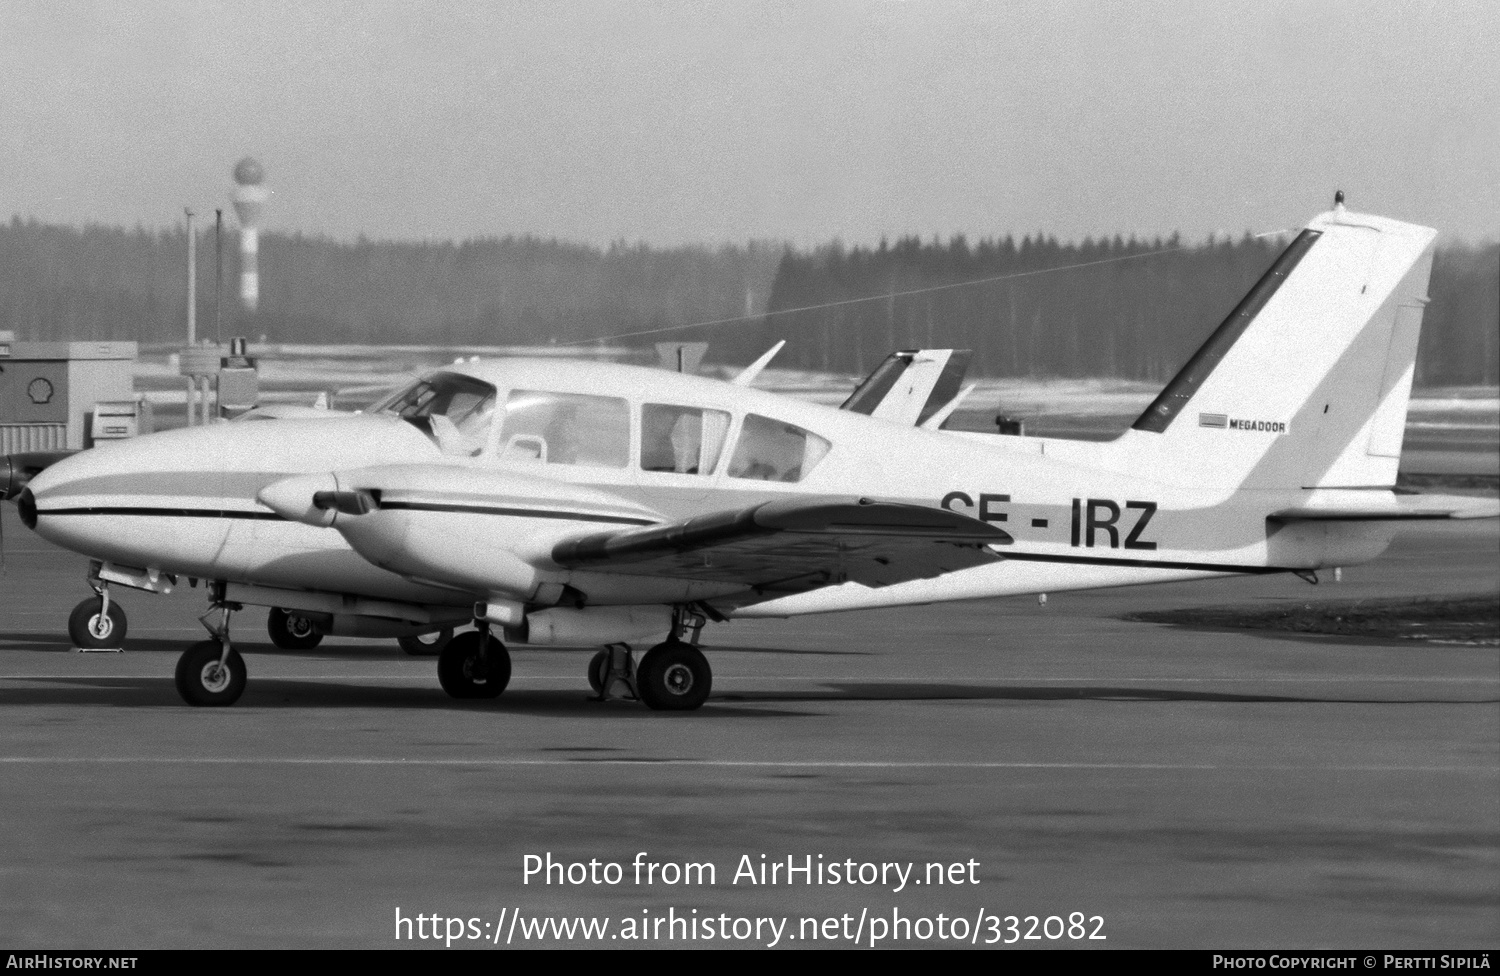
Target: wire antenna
{"x":888,"y":296}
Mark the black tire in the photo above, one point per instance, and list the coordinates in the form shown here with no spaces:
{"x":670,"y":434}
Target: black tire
{"x":291,"y":631}
{"x":200,"y":680}
{"x":598,"y":666}
{"x":88,"y":629}
{"x":674,"y":677}
{"x":430,"y":644}
{"x":462,"y":672}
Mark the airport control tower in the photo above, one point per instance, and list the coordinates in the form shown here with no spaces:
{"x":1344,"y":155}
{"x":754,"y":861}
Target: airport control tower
{"x":249,"y":195}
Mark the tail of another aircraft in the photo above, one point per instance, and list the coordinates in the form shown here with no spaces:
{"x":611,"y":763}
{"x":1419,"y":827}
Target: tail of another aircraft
{"x":1306,"y":383}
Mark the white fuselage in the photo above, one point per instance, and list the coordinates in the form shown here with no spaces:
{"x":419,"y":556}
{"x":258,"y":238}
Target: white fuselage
{"x":457,"y":527}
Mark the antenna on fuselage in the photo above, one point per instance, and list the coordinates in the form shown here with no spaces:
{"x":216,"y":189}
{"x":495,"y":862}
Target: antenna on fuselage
{"x":749,"y":373}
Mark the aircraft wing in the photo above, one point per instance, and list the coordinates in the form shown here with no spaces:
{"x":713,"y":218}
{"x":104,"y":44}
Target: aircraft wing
{"x":792,"y":546}
{"x":1392,"y":508}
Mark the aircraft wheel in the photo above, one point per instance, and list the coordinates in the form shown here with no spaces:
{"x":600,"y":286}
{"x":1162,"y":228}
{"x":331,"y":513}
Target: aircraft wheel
{"x":202,"y":681}
{"x":426,"y":645}
{"x":598,"y":667}
{"x":674,"y":677}
{"x":463,"y":673}
{"x":291,"y":631}
{"x":89,"y":628}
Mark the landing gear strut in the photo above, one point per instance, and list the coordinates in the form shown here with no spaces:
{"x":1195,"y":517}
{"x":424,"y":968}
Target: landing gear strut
{"x":212,"y":672}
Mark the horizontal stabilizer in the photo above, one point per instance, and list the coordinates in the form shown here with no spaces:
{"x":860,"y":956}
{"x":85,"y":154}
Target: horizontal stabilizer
{"x":1393,"y":508}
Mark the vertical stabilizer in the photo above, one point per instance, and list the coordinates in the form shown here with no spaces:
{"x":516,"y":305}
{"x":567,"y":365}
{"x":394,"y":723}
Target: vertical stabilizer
{"x":910,"y":386}
{"x":1306,"y":383}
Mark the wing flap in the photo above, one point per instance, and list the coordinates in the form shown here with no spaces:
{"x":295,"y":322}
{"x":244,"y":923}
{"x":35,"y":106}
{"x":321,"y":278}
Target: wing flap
{"x":791,"y":546}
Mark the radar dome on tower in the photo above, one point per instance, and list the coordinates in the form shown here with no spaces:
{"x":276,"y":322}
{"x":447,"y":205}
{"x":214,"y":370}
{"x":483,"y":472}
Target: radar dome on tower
{"x":250,"y":192}
{"x":248,"y":172}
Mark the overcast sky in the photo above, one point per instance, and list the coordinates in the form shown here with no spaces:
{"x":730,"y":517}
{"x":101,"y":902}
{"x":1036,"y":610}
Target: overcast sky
{"x":676,"y":122}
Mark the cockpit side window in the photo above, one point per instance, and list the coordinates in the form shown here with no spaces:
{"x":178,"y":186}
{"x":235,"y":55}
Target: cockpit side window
{"x":771,"y":450}
{"x":452,"y":409}
{"x":565,"y":428}
{"x":682,"y":440}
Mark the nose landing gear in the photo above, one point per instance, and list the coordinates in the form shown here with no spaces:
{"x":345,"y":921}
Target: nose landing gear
{"x":212,"y":672}
{"x":98,"y":622}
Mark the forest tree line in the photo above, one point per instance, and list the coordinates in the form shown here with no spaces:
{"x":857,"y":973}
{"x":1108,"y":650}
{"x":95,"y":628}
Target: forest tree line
{"x":1036,"y":307}
{"x":1131,"y":309}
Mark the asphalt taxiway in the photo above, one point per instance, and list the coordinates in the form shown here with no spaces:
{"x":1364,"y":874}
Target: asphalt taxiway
{"x":1191,"y":788}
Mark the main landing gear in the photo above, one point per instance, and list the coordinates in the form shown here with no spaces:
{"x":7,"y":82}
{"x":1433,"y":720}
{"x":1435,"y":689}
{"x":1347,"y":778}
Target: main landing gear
{"x":474,"y":664}
{"x":291,"y":631}
{"x":673,"y":676}
{"x":426,"y":645}
{"x":212,"y":672}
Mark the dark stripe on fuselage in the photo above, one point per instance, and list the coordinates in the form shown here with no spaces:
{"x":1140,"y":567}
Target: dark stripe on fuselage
{"x":1141,"y":563}
{"x":386,"y":506}
{"x":223,"y":513}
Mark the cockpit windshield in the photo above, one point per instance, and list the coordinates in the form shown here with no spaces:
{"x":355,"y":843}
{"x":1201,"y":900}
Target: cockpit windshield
{"x":452,"y":409}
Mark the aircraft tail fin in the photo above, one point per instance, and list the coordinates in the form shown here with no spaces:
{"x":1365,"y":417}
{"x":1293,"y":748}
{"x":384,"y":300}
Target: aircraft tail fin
{"x":1306,"y":383}
{"x":910,"y":386}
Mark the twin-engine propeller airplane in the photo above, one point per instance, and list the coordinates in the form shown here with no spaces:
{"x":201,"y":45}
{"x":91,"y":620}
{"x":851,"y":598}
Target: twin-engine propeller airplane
{"x":595,"y":504}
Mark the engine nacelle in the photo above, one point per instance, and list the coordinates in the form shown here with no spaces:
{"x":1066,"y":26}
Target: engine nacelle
{"x":596,"y":625}
{"x":469,"y":529}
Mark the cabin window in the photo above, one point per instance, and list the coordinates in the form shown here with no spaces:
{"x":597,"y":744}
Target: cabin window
{"x":770,"y":450}
{"x":684,"y":440}
{"x":565,"y":428}
{"x":452,"y":409}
